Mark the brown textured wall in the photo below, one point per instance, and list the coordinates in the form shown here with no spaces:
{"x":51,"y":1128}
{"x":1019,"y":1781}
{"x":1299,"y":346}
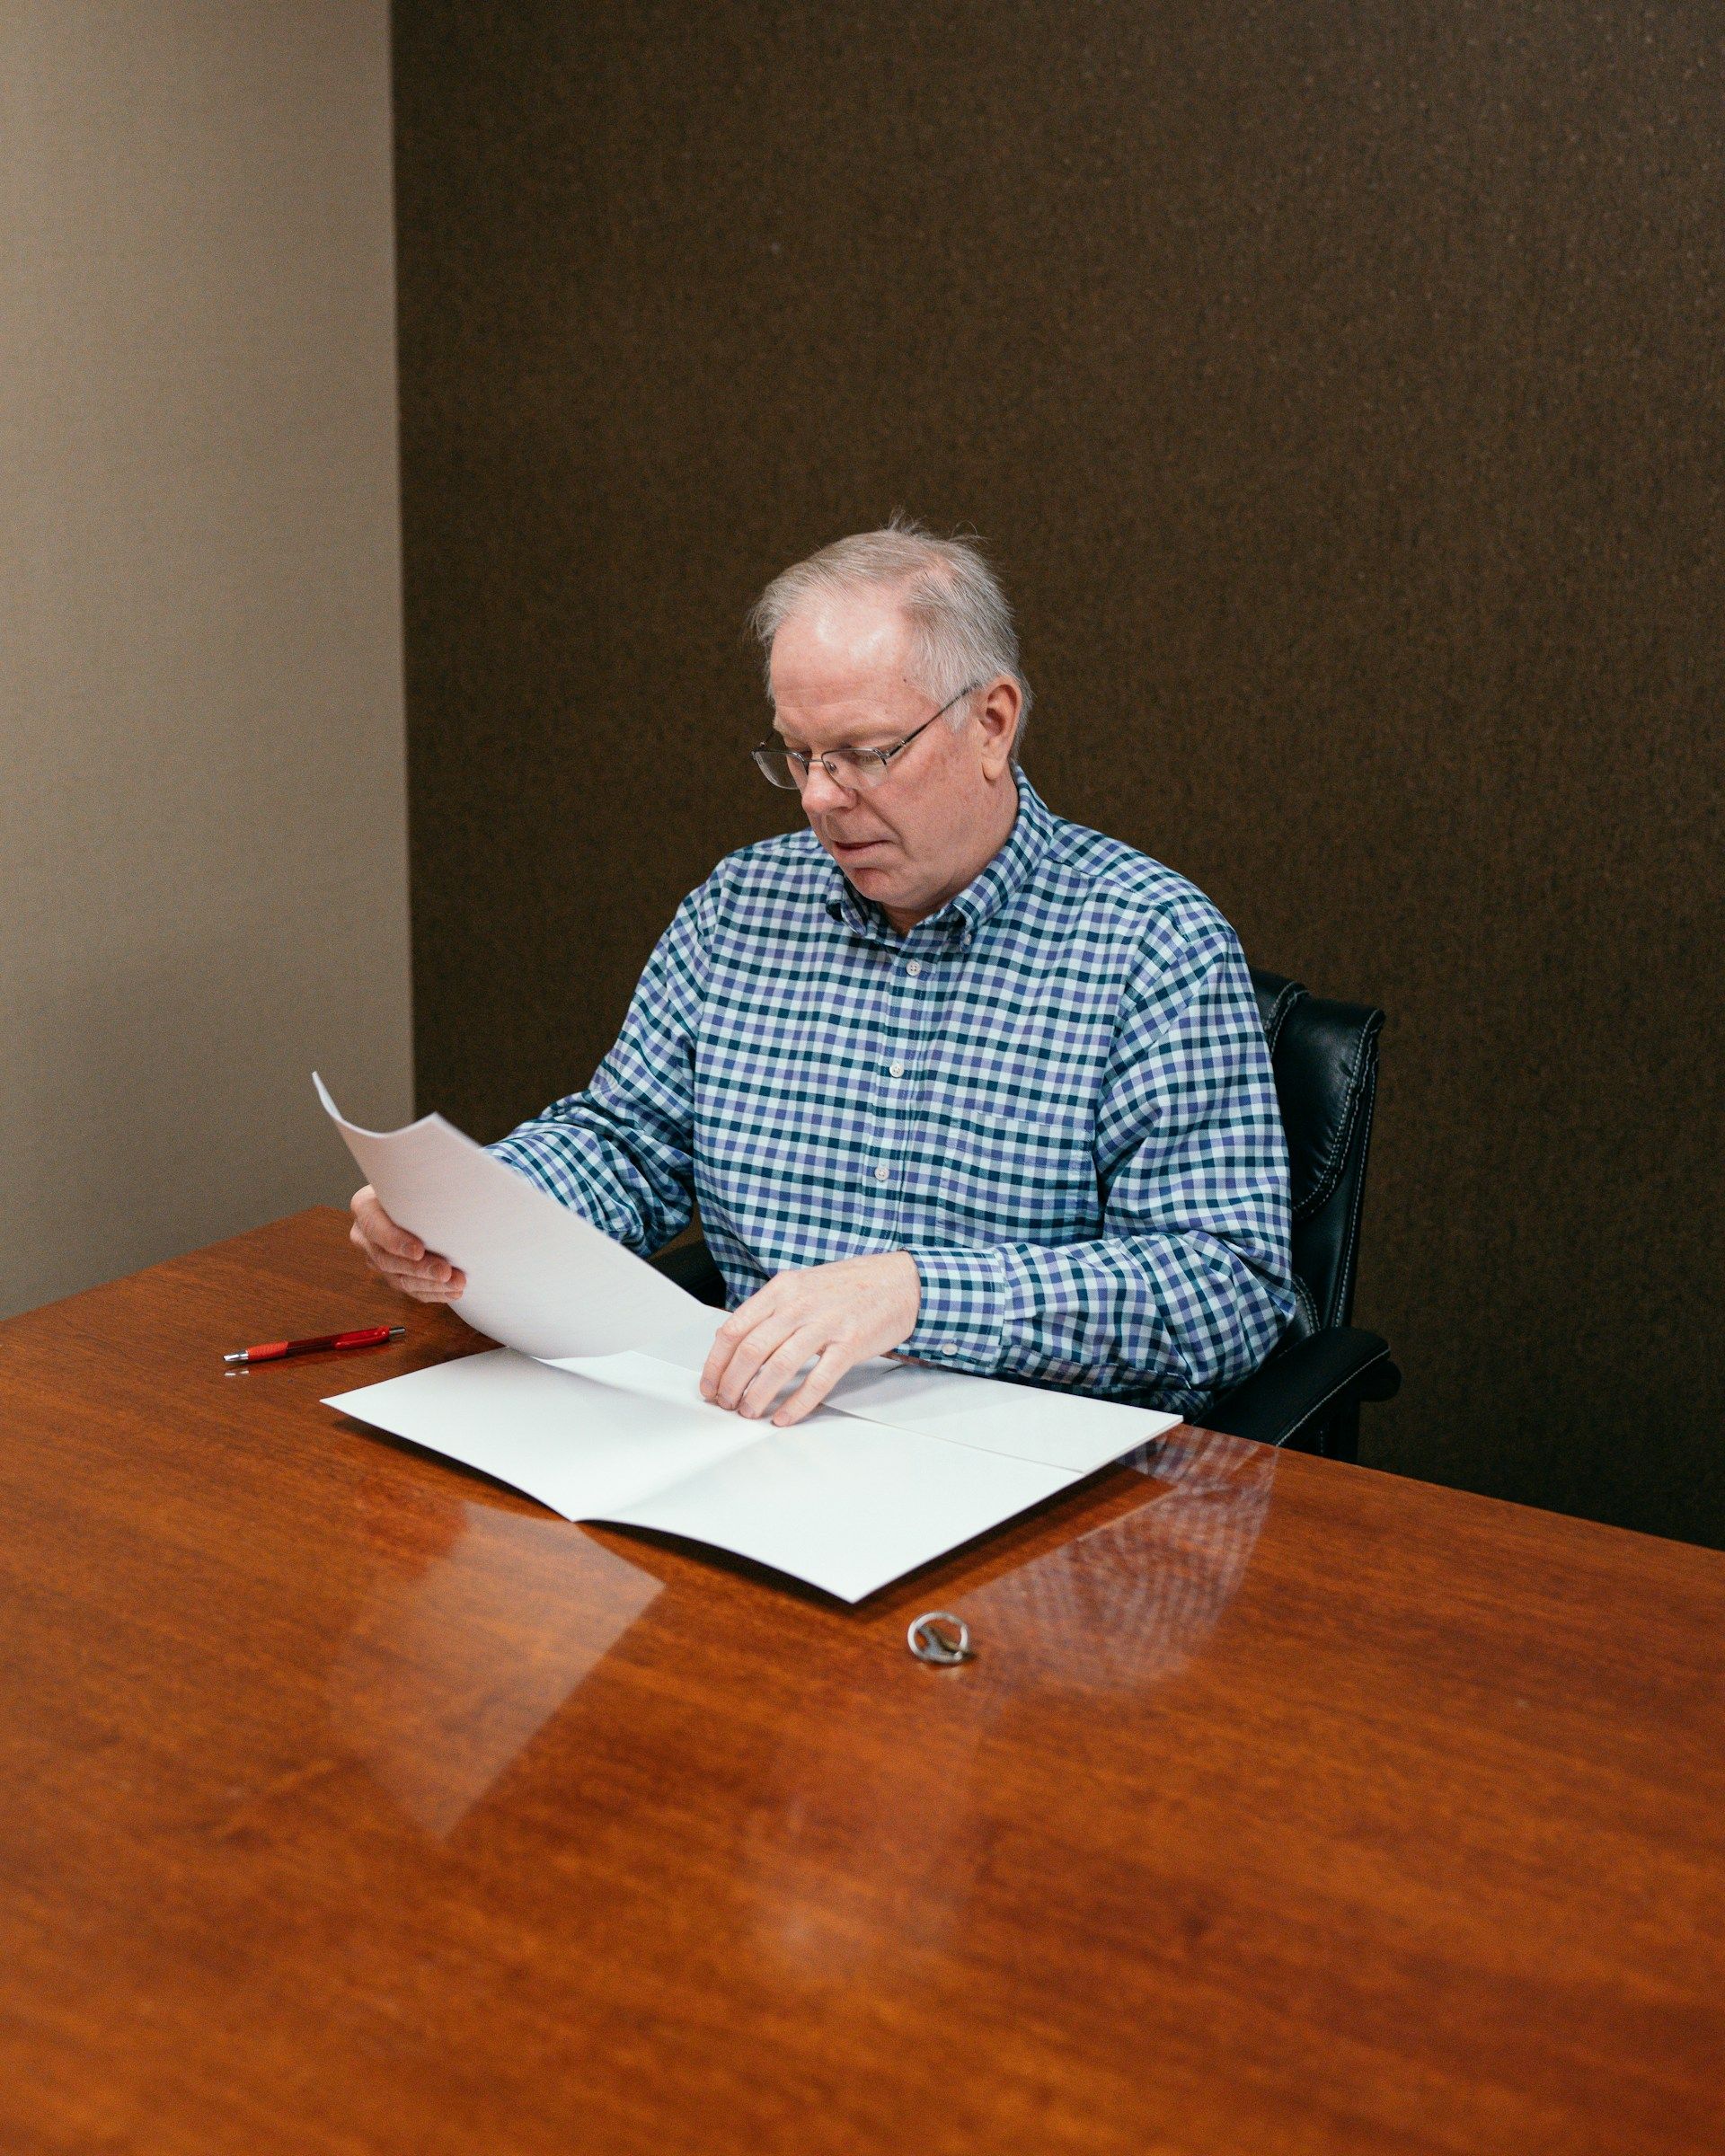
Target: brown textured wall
{"x":1340,"y":387}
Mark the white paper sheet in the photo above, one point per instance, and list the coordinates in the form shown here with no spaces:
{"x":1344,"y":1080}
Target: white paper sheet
{"x":903,"y":1464}
{"x":843,"y":1503}
{"x":842,"y":1500}
{"x":576,"y":1445}
{"x":539,"y":1276}
{"x":1021,"y":1422}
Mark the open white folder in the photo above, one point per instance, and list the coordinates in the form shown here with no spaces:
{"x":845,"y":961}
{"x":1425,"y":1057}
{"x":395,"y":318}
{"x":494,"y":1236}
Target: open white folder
{"x":593,"y":1405}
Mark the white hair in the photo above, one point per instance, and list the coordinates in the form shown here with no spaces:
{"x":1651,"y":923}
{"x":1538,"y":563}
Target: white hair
{"x":961,"y":625}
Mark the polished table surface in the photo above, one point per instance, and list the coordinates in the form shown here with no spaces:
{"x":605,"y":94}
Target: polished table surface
{"x":354,"y":1804}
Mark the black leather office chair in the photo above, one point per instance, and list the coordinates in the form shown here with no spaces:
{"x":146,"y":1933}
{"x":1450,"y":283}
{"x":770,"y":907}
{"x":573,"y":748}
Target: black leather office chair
{"x":1307,"y":1395}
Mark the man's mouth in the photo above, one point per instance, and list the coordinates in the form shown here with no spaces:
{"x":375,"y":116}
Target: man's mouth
{"x":853,"y":846}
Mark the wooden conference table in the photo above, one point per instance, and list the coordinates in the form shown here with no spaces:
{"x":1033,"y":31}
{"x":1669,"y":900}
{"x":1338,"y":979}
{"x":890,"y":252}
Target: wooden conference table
{"x":354,"y":1804}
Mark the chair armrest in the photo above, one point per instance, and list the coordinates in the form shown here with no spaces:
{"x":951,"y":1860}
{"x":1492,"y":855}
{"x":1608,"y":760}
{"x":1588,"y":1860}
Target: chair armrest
{"x":690,"y":1265}
{"x":1293,"y":1390}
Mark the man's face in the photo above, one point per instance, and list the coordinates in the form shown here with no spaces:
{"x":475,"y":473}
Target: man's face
{"x":842,"y":679}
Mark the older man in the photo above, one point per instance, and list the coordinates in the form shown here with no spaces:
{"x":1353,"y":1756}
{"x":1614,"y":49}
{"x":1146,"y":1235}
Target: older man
{"x":947,"y":1074}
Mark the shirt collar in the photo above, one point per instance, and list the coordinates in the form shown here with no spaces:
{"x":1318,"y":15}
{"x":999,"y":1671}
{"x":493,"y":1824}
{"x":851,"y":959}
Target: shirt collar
{"x":984,"y":896}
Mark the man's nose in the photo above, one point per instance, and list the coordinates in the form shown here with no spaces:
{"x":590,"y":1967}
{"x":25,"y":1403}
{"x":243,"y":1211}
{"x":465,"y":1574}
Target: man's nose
{"x":821,"y":792}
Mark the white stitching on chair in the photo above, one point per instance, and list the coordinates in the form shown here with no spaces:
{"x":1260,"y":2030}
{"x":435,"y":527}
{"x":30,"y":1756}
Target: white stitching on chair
{"x":1340,"y":1386}
{"x":1287,"y":995}
{"x":1324,"y":1188}
{"x":1350,"y":1241}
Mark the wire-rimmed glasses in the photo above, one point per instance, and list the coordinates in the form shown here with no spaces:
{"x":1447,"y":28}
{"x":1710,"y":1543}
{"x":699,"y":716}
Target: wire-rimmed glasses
{"x":853,"y":769}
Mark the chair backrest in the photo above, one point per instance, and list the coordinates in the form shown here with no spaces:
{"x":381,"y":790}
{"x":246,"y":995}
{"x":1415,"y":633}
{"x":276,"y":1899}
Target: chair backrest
{"x":1324,"y":1056}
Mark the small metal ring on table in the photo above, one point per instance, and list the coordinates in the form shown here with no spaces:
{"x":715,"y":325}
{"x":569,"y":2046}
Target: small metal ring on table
{"x":938,"y":1636}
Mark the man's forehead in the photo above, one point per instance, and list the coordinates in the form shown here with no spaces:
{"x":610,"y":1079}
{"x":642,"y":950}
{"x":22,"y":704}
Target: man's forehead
{"x":874,"y":713}
{"x":840,"y":645}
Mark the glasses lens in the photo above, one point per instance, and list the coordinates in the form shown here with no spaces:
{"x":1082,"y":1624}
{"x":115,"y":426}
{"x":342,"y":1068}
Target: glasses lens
{"x":852,"y":768}
{"x":861,"y":766}
{"x":775,"y":767}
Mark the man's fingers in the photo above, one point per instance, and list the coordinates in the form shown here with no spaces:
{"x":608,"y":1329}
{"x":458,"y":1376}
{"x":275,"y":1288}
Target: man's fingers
{"x":748,"y":1354}
{"x":737,"y":1327}
{"x":422,"y":1290}
{"x":402,"y":1259}
{"x":431,"y":1272}
{"x":829,"y":1367}
{"x":432,"y":1280}
{"x":724,"y":1342}
{"x":837,"y":1314}
{"x":713,"y":1368}
{"x":777,"y":1372}
{"x":380,"y":1231}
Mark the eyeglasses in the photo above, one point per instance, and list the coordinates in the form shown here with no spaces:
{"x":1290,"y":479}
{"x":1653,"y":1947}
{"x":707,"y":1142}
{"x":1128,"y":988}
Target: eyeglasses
{"x":853,"y":769}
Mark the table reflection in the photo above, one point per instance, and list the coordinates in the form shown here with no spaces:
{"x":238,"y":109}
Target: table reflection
{"x":885,"y":1807}
{"x":1129,"y":1603}
{"x":483,"y":1625}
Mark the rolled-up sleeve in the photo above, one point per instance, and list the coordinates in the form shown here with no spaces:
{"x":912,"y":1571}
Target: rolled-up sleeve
{"x":1190,"y":1282}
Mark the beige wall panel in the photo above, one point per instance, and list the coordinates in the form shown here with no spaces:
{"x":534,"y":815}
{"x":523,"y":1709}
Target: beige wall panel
{"x":202,"y":820}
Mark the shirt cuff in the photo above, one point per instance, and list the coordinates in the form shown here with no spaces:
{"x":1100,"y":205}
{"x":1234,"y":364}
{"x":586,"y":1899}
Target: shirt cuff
{"x":962,"y":1322}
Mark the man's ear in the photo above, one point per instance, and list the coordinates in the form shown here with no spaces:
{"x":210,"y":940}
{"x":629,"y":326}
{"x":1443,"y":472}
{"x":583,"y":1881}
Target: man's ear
{"x":998,"y":717}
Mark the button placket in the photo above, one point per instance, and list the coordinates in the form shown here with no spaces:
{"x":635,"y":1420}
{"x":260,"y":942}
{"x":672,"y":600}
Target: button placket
{"x":904,"y":1049}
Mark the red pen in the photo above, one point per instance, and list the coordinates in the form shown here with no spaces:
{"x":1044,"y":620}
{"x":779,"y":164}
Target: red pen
{"x":272,"y":1351}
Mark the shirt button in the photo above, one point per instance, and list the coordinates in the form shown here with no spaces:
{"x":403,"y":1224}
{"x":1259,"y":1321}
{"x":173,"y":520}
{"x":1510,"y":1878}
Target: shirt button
{"x":880,"y":1174}
{"x":913,"y":967}
{"x":895,"y":1070}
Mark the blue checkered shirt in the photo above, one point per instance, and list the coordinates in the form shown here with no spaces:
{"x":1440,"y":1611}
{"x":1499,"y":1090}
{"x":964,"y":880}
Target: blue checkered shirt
{"x":1054,"y":1093}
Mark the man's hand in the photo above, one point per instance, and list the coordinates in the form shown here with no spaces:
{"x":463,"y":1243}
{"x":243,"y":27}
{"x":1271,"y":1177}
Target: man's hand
{"x":402,"y":1259}
{"x":836,"y":1314}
